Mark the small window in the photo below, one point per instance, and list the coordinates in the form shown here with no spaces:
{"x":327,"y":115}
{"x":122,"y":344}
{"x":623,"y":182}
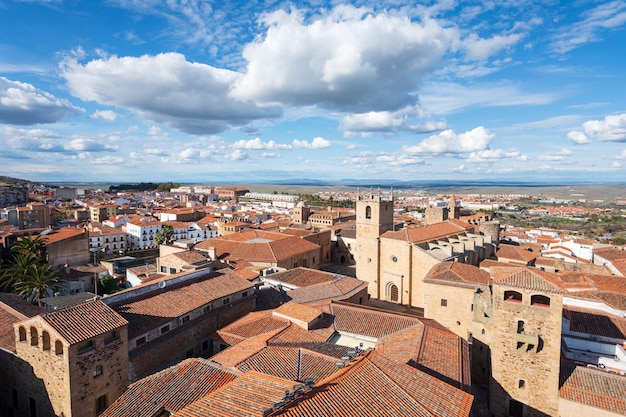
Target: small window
{"x":207,"y":308}
{"x":394,"y":259}
{"x":34,"y":337}
{"x":45,"y":340}
{"x":101,"y":404}
{"x":226,"y":300}
{"x":540,"y":300}
{"x":444,"y":302}
{"x":22,"y":334}
{"x":58,"y":347}
{"x":205,"y":345}
{"x":471,"y":307}
{"x":513,"y":296}
{"x":520,"y":326}
{"x":111,"y":337}
{"x":186,"y":318}
{"x":244,"y":294}
{"x":165,"y":329}
{"x":85,"y":347}
{"x":368,"y":212}
{"x":97,"y":371}
{"x":164,"y":269}
{"x":521,"y":383}
{"x":140,"y":341}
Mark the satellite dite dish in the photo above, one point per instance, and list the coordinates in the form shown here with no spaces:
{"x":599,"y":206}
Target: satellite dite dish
{"x":161,"y":284}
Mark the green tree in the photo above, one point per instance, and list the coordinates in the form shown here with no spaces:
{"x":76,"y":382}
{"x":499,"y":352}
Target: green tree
{"x":164,"y":235}
{"x":41,"y":282}
{"x":17,"y":270}
{"x":33,"y":245}
{"x":108,"y":285}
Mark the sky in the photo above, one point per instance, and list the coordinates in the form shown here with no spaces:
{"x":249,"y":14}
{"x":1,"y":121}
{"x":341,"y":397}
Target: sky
{"x":225,"y":91}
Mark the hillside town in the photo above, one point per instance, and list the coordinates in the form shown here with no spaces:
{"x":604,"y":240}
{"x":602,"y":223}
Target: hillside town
{"x":209,"y":300}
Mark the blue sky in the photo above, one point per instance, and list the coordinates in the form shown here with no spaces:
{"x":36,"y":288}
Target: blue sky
{"x":195,"y":91}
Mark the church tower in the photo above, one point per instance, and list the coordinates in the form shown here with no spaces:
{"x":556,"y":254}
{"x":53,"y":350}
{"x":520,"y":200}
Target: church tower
{"x":525,"y":344}
{"x":374,"y":216}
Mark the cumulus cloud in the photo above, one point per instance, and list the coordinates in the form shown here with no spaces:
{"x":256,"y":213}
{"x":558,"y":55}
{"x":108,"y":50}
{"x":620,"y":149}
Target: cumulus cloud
{"x":238,"y":155}
{"x":316,"y":143}
{"x":24,"y":104}
{"x":187,"y":96}
{"x":612,"y":128}
{"x":578,"y":137}
{"x":477,"y":139}
{"x":347,"y":59}
{"x":399,"y":160}
{"x":109,"y":115}
{"x":258,"y":144}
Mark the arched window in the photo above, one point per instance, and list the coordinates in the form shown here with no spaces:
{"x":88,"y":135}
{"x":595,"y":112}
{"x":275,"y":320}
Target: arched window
{"x":368,"y":212}
{"x":513,"y":296}
{"x":34,"y":337}
{"x":520,"y":326}
{"x":22,"y":334}
{"x":540,"y":300}
{"x":45,"y":336}
{"x":521,"y":383}
{"x":58,"y":347}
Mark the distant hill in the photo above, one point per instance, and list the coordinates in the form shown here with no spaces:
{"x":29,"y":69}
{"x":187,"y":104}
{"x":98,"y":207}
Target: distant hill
{"x":15,"y":181}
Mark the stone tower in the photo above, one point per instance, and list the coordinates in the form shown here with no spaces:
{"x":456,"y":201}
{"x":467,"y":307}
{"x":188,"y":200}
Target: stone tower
{"x":301,"y":213}
{"x":374,"y":216}
{"x":453,"y":209}
{"x":525,"y":344}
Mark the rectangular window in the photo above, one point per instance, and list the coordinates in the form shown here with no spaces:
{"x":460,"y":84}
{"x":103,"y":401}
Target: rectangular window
{"x":471,"y":307}
{"x":444,"y":302}
{"x":207,"y":308}
{"x":140,"y":341}
{"x":165,"y":329}
{"x":226,"y":301}
{"x":85,"y":347}
{"x":111,"y":337}
{"x":186,"y":318}
{"x":164,"y":269}
{"x":205,"y":345}
{"x":244,"y":294}
{"x":97,"y":371}
{"x":101,"y":404}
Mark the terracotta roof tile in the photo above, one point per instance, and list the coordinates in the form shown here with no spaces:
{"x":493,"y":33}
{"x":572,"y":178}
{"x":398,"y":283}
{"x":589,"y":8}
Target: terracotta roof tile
{"x":430,"y":232}
{"x":84,"y":321}
{"x":458,"y":272}
{"x":297,"y":311}
{"x":171,"y":389}
{"x":528,"y":279}
{"x":596,"y":322}
{"x":369,"y":322}
{"x":594,"y":388}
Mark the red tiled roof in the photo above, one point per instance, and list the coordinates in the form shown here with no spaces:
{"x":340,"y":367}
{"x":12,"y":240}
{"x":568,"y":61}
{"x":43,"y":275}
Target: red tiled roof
{"x":529,"y":279}
{"x":430,"y":232}
{"x":148,"y":311}
{"x":84,"y":321}
{"x":515,"y":253}
{"x":369,"y":322}
{"x":13,"y":309}
{"x":377,"y":386}
{"x":249,"y":395}
{"x":303,"y":277}
{"x":297,"y":311}
{"x":62,"y":234}
{"x":458,"y":272}
{"x":594,"y":388}
{"x":172,"y":389}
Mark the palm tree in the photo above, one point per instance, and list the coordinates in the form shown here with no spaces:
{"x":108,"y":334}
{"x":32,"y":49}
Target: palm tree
{"x":38,"y":284}
{"x":18,"y":269}
{"x":33,"y":245}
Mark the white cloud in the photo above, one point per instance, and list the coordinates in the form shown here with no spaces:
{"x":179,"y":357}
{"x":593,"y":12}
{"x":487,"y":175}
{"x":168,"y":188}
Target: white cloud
{"x":606,"y":16}
{"x":561,"y":155}
{"x":258,"y":144}
{"x":493,"y":155}
{"x":24,"y":104}
{"x":578,"y":137}
{"x":622,"y":155}
{"x":109,"y":115}
{"x":270,"y":155}
{"x":483,"y":48}
{"x":347,"y":58}
{"x":612,"y":128}
{"x":399,"y":160}
{"x":444,"y":98}
{"x":371,"y":122}
{"x":238,"y":155}
{"x":477,"y":139}
{"x":187,"y":96}
{"x":316,"y":143}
